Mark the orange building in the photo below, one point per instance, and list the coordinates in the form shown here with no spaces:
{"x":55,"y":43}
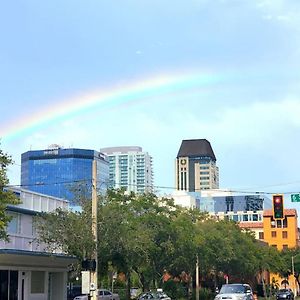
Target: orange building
{"x":279,"y":233}
{"x":283,"y":233}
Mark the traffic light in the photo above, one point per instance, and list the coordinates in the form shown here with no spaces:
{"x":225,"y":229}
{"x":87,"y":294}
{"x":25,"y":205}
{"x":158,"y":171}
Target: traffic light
{"x":88,"y":264}
{"x":278,"y":207}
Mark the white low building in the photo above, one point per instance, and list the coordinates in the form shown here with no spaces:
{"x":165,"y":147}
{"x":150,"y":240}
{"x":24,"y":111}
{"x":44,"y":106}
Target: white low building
{"x":27,"y":271}
{"x":186,"y":199}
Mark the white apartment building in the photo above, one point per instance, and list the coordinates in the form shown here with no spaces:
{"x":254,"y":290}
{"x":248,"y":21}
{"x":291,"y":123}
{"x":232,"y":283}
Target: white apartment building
{"x":130,"y":168}
{"x":27,"y":270}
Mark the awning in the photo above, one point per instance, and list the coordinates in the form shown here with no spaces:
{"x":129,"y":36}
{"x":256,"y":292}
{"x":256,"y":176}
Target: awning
{"x":34,"y":259}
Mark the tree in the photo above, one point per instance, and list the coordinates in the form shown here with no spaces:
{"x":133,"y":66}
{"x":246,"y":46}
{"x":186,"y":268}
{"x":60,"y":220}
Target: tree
{"x":7,"y":197}
{"x":290,"y":263}
{"x":227,"y":250}
{"x":149,"y":236}
{"x":66,"y":231}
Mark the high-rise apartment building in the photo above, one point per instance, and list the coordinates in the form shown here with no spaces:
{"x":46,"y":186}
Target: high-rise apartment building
{"x":63,"y":173}
{"x":196,"y":167}
{"x":130,"y":168}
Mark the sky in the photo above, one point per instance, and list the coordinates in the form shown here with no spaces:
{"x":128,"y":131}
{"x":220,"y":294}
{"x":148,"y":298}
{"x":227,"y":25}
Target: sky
{"x":93,"y":74}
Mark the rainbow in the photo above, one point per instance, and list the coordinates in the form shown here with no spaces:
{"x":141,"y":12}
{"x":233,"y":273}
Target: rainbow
{"x":112,"y":96}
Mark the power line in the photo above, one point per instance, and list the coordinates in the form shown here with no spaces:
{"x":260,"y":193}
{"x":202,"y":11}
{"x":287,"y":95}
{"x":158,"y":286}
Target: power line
{"x":69,"y":182}
{"x":49,"y":183}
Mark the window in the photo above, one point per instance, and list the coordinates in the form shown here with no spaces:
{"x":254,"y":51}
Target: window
{"x":14,"y":226}
{"x":235,"y":218}
{"x":261,"y":235}
{"x":37,"y":282}
{"x":245,"y":218}
{"x":279,"y":224}
{"x":273,"y":234}
{"x":284,"y":247}
{"x":9,"y":285}
{"x":284,"y":234}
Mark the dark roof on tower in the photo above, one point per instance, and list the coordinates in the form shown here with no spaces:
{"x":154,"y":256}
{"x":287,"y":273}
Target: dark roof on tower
{"x":199,"y":147}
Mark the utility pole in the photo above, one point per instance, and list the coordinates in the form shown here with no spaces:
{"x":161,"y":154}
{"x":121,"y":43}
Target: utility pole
{"x":294,"y":279}
{"x":197,"y":278}
{"x":94,"y":273}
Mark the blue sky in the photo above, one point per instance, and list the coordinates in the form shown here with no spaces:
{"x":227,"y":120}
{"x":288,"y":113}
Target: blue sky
{"x":53,"y":50}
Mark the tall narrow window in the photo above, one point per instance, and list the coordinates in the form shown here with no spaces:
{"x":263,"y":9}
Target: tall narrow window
{"x":37,"y":282}
{"x":261,"y":235}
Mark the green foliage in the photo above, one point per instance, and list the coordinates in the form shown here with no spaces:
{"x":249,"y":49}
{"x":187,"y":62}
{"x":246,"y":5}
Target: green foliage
{"x":175,"y":290}
{"x":206,"y":294}
{"x":6,"y":196}
{"x":150,"y":236}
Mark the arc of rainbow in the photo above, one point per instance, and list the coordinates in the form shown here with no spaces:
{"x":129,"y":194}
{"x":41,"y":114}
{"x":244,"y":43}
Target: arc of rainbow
{"x":113,"y":96}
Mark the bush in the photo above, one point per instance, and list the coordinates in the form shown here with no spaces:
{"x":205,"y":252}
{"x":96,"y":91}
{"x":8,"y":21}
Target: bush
{"x":206,"y":294}
{"x":175,"y":290}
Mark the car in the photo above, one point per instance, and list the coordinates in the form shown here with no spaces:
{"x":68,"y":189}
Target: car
{"x":154,"y":295}
{"x":285,"y":294}
{"x":135,"y":292}
{"x":235,"y":291}
{"x":102,"y":295}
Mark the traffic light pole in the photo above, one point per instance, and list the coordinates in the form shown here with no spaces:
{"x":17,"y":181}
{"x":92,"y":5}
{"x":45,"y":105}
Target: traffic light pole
{"x":94,"y":273}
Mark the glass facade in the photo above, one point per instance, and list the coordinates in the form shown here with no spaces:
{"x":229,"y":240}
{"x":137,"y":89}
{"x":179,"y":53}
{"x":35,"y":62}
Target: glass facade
{"x":63,"y":173}
{"x":9,"y":284}
{"x":234,"y":203}
{"x":130,"y":168}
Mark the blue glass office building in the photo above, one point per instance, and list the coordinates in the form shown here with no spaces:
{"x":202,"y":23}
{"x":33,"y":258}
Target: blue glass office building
{"x":63,"y":173}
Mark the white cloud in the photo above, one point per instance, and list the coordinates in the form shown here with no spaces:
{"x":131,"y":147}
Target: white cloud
{"x":282,"y":11}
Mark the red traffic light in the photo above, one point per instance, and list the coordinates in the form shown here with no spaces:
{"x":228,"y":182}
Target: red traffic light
{"x":278,"y":211}
{"x":277,"y":200}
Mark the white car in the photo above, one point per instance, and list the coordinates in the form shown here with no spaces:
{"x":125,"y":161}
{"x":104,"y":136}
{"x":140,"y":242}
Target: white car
{"x":235,"y":291}
{"x":102,"y":295}
{"x":156,"y":295}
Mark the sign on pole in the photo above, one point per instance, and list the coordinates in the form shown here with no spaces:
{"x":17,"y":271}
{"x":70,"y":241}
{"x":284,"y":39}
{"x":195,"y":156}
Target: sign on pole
{"x":85,"y":283}
{"x":295,"y":197}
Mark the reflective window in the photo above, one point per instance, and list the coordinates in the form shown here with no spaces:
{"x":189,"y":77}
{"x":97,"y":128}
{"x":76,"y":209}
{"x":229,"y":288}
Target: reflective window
{"x":14,"y":226}
{"x":245,"y":218}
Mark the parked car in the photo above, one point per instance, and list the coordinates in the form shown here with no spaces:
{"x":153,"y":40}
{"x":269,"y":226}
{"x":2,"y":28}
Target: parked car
{"x":152,"y":295}
{"x":235,"y":291}
{"x":135,"y":292}
{"x":102,"y":295}
{"x":285,"y":294}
